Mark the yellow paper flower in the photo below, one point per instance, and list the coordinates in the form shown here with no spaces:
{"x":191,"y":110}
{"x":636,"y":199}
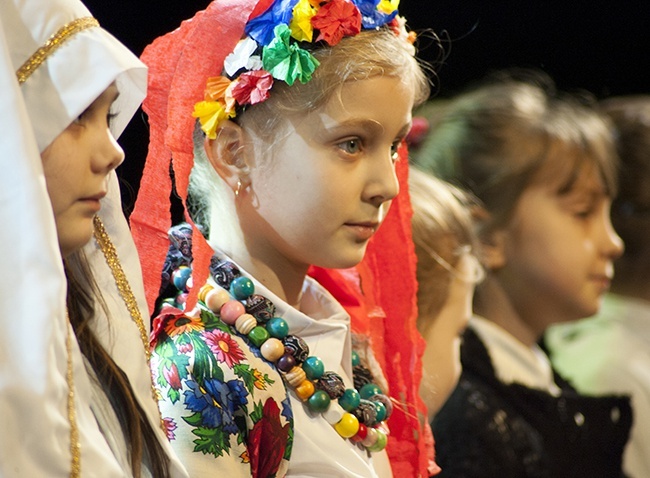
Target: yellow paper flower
{"x":388,"y":6}
{"x":210,"y":114}
{"x":300,"y":25}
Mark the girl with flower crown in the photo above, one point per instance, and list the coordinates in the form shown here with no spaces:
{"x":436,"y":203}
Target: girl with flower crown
{"x":302,"y":109}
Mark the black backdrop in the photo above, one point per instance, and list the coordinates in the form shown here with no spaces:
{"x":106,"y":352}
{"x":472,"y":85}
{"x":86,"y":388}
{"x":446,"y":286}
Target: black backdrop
{"x":603,"y":47}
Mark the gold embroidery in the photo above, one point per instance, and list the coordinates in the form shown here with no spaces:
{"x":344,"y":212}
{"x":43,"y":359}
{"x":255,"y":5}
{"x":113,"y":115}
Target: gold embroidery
{"x":113,"y":261}
{"x":54,"y":42}
{"x":75,"y":468}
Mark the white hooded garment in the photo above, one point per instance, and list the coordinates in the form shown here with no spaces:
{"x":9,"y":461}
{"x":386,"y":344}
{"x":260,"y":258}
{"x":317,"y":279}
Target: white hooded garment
{"x":35,"y":439}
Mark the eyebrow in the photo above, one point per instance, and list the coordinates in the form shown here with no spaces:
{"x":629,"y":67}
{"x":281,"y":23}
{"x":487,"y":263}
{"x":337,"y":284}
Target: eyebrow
{"x":369,"y":125}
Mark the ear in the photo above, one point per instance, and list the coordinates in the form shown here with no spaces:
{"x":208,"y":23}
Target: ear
{"x":492,"y":253}
{"x":491,"y":240}
{"x":226,"y":154}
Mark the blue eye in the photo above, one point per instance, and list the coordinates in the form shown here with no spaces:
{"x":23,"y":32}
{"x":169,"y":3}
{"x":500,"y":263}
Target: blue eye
{"x":350,"y":146}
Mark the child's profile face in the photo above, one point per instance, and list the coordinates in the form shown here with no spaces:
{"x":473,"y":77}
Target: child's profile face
{"x":331,"y":177}
{"x":76,"y":166}
{"x":559,"y":251}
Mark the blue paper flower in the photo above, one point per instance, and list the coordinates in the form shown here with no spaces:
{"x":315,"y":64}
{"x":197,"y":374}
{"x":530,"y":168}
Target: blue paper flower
{"x":372,"y":18}
{"x":261,"y":27}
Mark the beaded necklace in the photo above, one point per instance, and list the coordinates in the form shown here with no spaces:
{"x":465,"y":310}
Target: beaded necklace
{"x":356,"y":413}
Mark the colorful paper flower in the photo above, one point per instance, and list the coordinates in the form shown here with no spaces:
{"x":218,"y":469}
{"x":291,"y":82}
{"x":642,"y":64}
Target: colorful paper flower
{"x":243,"y":57}
{"x":388,"y":6}
{"x":252,"y":87}
{"x":217,"y":402}
{"x":371,"y":16}
{"x":261,"y":28}
{"x":210,"y":114}
{"x":224,"y":347}
{"x":300,"y":25}
{"x":336,"y":19}
{"x":286,"y":61}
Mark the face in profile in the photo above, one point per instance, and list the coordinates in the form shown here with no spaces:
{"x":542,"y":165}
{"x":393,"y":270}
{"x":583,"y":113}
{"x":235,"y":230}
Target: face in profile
{"x":76,"y":167}
{"x":559,"y":251}
{"x":330,"y":177}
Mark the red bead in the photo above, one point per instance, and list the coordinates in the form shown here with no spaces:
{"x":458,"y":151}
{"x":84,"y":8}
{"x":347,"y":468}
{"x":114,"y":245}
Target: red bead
{"x":361,"y":434}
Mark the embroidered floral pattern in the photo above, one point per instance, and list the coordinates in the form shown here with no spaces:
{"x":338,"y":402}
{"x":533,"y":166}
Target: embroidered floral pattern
{"x":217,"y":394}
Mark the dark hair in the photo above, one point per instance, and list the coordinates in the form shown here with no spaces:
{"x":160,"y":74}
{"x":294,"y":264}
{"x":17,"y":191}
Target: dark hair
{"x":141,"y":441}
{"x":509,"y":133}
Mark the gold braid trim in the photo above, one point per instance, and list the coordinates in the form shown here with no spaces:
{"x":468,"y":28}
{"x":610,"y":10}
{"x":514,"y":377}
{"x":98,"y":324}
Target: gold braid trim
{"x":51,"y":45}
{"x":113,"y":261}
{"x":75,"y":467}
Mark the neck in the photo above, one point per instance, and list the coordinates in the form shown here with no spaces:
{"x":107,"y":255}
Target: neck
{"x":493,"y":304}
{"x":274,"y":271}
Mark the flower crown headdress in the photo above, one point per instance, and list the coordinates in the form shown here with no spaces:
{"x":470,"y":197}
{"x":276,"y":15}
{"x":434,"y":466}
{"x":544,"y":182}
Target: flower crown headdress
{"x":277,"y":46}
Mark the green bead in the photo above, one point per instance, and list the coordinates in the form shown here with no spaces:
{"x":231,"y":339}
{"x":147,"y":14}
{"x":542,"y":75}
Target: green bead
{"x":368,"y":390}
{"x":277,"y":327}
{"x":258,"y":335}
{"x":380,"y":444}
{"x":355,"y":359}
{"x":242,"y":287}
{"x":350,"y":399}
{"x":313,"y":367}
{"x":319,"y":401}
{"x":381,"y":411}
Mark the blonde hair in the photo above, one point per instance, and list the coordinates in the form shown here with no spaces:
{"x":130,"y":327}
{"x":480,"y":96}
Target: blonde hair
{"x":441,"y":223}
{"x":369,"y":54}
{"x":502,"y":137}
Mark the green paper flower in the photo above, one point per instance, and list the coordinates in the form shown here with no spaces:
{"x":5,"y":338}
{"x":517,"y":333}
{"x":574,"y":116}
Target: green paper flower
{"x":286,"y":61}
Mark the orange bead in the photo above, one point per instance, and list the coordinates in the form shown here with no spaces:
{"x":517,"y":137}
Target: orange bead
{"x":305,"y":390}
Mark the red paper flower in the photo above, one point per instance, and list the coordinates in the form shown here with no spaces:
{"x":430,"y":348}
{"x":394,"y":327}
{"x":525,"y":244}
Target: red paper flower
{"x":335,"y":20}
{"x":267,"y":442}
{"x":252,"y":87}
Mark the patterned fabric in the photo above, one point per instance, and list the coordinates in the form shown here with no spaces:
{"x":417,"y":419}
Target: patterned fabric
{"x":220,"y":398}
{"x":490,"y":429}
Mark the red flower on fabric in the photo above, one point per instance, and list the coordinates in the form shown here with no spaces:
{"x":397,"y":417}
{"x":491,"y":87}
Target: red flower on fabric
{"x":267,"y":442}
{"x":252,"y":87}
{"x":223,"y":346}
{"x":336,"y":19}
{"x":160,"y":323}
{"x":171,"y":375}
{"x":170,"y":426}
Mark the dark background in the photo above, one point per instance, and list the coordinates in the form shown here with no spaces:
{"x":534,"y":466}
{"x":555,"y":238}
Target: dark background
{"x":601,"y":47}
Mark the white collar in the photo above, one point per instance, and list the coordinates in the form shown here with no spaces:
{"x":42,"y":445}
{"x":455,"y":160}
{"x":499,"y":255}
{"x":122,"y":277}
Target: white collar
{"x":513,"y":361}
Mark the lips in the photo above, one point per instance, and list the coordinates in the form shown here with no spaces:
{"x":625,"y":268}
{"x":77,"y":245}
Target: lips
{"x":363,"y":230}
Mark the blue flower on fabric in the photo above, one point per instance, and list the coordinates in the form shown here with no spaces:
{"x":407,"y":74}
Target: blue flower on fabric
{"x":279,"y":13}
{"x":371,"y":17}
{"x":286,"y":61}
{"x":217,"y":402}
{"x":287,"y":411}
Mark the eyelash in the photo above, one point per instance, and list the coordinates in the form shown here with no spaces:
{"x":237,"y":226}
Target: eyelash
{"x":359,"y":145}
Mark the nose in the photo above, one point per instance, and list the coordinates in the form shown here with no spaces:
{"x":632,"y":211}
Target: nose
{"x":109,"y":153}
{"x":613,"y":244}
{"x":382,"y":185}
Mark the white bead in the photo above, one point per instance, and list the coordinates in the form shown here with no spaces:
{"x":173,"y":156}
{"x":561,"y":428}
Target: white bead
{"x":334,"y":413}
{"x":245,"y":323}
{"x":295,"y":376}
{"x":272,"y":349}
